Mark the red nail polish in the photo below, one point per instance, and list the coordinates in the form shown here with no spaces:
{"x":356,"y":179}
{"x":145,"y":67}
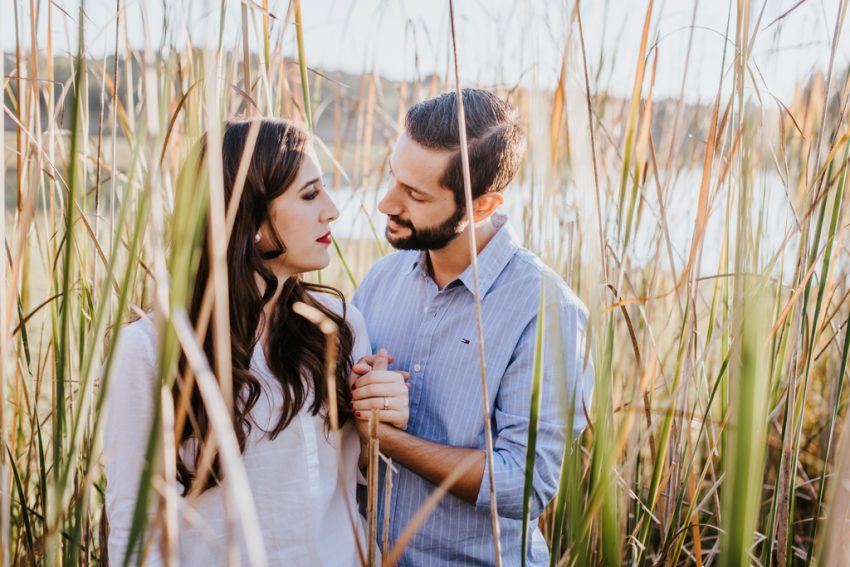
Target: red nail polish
{"x":357,"y":414}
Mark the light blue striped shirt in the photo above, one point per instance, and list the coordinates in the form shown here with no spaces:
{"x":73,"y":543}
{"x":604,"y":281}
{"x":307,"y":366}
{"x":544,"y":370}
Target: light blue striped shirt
{"x":432,"y":334}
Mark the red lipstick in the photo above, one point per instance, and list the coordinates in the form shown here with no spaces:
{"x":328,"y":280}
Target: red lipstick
{"x":325,"y":238}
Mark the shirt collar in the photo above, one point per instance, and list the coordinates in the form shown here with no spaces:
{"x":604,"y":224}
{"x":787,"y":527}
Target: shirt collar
{"x":491,"y":261}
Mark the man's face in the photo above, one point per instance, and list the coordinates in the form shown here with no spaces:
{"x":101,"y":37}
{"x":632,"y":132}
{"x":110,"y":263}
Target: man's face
{"x":421,"y":213}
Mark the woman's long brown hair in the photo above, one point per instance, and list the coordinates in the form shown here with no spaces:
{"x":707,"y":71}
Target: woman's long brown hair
{"x":296,"y":346}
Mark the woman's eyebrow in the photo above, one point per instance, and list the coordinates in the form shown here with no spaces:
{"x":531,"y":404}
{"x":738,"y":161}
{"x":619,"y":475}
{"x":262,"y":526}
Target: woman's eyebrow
{"x":311,"y":182}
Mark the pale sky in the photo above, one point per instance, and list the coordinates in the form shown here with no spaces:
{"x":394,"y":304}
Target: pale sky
{"x":500,"y":42}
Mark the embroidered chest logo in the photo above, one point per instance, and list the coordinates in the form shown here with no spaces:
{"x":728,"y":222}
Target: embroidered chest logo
{"x":465,"y":341}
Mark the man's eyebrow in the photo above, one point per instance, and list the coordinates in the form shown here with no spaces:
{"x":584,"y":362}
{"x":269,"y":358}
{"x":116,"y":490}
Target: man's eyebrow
{"x":390,"y":165}
{"x":311,"y":182}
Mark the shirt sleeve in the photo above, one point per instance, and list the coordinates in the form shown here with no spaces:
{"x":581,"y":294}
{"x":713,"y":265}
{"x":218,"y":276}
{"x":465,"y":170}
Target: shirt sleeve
{"x":567,"y":382}
{"x":129,"y":415}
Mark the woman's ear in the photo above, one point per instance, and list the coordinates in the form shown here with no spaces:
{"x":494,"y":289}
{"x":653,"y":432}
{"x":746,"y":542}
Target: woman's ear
{"x":486,"y":205}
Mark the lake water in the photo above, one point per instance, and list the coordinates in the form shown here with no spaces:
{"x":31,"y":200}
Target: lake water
{"x":541,"y":225}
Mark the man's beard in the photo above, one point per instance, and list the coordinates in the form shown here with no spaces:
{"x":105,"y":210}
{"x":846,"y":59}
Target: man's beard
{"x":430,"y":238}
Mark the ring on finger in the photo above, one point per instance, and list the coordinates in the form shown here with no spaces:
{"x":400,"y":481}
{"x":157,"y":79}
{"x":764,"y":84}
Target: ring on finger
{"x":386,"y":404}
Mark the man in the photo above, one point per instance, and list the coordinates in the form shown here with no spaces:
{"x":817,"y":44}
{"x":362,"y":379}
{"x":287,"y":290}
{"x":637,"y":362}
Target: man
{"x":419,"y":306}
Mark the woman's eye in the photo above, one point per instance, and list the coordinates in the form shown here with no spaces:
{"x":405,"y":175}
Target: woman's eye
{"x":311,"y":195}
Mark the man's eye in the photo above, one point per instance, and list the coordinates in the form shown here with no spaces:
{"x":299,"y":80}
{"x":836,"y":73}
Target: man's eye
{"x":414,"y":198}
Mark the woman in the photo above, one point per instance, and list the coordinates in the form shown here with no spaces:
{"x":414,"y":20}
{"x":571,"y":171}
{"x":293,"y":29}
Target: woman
{"x":281,"y":230}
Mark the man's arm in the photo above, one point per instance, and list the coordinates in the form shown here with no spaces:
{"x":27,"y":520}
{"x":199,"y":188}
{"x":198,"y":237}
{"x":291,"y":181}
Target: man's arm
{"x":432,"y":461}
{"x":435,"y":462}
{"x":566,"y":380}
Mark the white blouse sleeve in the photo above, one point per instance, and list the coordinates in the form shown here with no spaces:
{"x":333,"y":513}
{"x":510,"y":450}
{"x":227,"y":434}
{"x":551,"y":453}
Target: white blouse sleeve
{"x":361,"y":348}
{"x":129,"y":415}
{"x":355,"y":319}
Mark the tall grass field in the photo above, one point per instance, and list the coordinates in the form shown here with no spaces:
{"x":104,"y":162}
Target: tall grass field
{"x":707,"y":234}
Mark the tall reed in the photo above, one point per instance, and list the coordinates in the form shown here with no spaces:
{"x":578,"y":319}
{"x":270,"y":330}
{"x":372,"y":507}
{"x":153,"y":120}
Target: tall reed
{"x":717,"y":428}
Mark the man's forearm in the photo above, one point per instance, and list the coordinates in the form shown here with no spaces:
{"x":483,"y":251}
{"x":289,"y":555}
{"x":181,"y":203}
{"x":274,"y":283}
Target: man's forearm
{"x":433,"y":461}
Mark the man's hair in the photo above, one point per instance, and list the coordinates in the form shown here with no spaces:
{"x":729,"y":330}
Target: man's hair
{"x":494,"y":139}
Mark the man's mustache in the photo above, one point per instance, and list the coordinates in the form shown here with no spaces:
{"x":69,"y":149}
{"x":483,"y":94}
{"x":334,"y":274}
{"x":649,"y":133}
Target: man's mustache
{"x":401,"y":222}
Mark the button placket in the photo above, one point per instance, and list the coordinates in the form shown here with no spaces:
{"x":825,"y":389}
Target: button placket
{"x":435,"y":307}
{"x":421,"y":350}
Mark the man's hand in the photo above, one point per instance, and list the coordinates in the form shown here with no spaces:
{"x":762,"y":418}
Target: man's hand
{"x":429,"y":460}
{"x":374,"y":387}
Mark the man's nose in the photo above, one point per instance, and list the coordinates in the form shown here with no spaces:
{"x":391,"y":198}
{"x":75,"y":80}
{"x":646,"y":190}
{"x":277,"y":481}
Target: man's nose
{"x":389,"y":205}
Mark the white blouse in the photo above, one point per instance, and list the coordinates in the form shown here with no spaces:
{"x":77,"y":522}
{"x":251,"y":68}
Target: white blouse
{"x":294,"y":478}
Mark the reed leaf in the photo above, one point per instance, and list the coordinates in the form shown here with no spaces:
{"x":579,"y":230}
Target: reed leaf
{"x":533,"y":417}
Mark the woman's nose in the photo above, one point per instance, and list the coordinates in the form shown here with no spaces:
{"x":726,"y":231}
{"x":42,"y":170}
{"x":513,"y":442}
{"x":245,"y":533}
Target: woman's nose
{"x":330,"y":213}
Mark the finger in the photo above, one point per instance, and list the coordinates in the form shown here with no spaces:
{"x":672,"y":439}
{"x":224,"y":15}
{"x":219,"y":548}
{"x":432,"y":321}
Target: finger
{"x":395,"y":417}
{"x":361,"y":369}
{"x":369,"y":359}
{"x":379,"y":377}
{"x":381,"y":360}
{"x":378,"y":391}
{"x":380,"y":403}
{"x":405,"y":374}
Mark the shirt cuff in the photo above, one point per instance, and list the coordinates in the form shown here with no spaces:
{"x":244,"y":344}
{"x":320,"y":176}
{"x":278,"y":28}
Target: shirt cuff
{"x":483,"y":500}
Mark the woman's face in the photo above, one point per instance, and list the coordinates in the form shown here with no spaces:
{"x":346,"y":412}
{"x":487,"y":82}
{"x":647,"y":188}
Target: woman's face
{"x":301,"y":215}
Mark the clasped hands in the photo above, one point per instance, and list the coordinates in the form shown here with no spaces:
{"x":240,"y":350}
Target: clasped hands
{"x":374,"y":387}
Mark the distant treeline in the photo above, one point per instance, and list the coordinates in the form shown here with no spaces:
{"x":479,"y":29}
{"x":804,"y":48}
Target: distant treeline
{"x":342,"y":102}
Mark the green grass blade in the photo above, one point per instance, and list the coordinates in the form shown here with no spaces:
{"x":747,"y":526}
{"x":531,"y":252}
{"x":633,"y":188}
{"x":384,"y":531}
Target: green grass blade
{"x":741,"y":498}
{"x":533,"y":418}
{"x":22,"y":498}
{"x":302,"y":64}
{"x":345,"y":266}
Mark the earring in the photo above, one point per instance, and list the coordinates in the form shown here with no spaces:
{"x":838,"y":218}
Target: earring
{"x":257,"y":238}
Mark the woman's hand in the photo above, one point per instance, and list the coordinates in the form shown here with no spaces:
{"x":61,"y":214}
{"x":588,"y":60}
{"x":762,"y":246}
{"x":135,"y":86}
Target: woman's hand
{"x":376,"y":388}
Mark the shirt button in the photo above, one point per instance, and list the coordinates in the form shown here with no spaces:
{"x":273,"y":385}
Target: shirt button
{"x":417,"y":367}
{"x":425,"y":310}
